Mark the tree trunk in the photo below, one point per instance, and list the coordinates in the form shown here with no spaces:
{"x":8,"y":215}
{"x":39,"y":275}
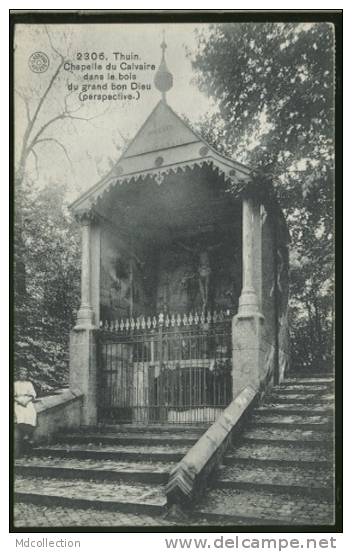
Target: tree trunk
{"x":19,"y":246}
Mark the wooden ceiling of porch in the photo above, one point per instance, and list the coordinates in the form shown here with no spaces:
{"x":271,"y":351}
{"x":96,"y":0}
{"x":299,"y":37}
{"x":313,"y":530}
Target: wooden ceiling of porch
{"x":192,"y":203}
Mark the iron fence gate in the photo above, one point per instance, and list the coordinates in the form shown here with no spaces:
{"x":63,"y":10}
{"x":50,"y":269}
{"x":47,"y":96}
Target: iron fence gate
{"x":166,"y":370}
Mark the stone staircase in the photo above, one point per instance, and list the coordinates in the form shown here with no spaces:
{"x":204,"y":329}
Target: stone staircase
{"x":280,"y":471}
{"x":120,"y":468}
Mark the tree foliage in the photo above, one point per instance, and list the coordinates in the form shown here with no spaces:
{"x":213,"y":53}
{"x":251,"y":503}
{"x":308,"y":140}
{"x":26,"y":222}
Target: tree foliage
{"x":46,"y":239}
{"x":273,"y":85}
{"x":45,"y":315}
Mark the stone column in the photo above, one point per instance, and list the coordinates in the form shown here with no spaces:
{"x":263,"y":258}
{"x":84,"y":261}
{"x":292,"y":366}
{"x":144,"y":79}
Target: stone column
{"x":257,"y":254}
{"x":95,"y":262}
{"x":247,"y":324}
{"x":83,"y":338}
{"x":85,"y":313}
{"x":248,"y":302}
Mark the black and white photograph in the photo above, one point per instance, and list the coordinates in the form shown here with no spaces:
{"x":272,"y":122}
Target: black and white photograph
{"x":174,"y":209}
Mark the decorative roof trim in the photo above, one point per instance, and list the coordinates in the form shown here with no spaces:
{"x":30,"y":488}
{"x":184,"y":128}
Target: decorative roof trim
{"x":159,"y":174}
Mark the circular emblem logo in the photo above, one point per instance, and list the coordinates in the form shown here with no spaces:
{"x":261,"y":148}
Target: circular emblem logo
{"x":38,"y":62}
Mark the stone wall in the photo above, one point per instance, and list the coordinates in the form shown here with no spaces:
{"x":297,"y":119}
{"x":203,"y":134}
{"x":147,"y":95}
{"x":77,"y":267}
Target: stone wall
{"x":268,"y":301}
{"x":283,"y":297}
{"x":60,"y":411}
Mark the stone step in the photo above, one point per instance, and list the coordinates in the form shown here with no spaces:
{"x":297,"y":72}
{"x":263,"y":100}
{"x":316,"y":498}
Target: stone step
{"x":301,"y":398}
{"x":72,"y":468}
{"x":123,"y":438}
{"x":283,"y":453}
{"x":131,"y":428}
{"x":136,"y":497}
{"x":163,"y":453}
{"x":271,"y":407}
{"x":281,"y":468}
{"x":301,"y":391}
{"x":314,"y":481}
{"x":296,"y":437}
{"x":304,"y":387}
{"x":239,"y":506}
{"x":315,"y":380}
{"x":293,"y":421}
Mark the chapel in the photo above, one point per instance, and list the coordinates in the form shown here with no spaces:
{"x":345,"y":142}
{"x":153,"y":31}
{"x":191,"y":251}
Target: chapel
{"x":184,"y":281}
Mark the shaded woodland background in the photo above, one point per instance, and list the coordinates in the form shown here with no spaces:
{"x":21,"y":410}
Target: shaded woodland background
{"x":273,"y":87}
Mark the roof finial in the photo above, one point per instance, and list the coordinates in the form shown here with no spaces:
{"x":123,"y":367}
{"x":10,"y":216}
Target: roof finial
{"x":163,"y":46}
{"x":163,"y":79}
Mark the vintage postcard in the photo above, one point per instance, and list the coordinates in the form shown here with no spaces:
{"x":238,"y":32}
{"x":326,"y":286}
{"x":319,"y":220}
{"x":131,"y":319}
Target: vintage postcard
{"x":173,"y":193}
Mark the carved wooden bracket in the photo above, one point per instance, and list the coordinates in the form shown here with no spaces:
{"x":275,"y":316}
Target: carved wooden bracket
{"x":86,"y":216}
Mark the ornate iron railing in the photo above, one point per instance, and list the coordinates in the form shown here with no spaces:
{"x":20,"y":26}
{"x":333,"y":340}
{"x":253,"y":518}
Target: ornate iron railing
{"x":165,"y":369}
{"x":149,"y":323}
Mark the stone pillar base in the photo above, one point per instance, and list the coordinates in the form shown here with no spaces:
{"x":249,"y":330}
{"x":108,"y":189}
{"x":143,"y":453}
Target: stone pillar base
{"x":248,"y":303}
{"x":83,"y":370}
{"x":85,"y":318}
{"x":247,"y":357}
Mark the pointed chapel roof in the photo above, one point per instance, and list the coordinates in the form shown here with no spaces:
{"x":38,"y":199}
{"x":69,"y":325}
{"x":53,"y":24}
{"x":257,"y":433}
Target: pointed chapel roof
{"x":162,"y":129}
{"x":164,"y":144}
